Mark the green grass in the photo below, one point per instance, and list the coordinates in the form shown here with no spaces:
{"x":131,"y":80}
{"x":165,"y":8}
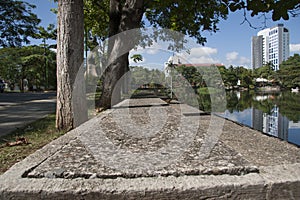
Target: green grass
{"x":38,"y":134}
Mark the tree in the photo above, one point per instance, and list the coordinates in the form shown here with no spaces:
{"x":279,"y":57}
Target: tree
{"x":266,"y":71}
{"x":289,"y":106}
{"x":69,"y":59}
{"x":191,"y":74}
{"x":46,"y":34}
{"x":17,"y":22}
{"x":142,"y":75}
{"x":245,"y":77}
{"x":187,"y":17}
{"x":18,"y":63}
{"x":123,"y":15}
{"x":289,"y":72}
{"x":230,"y":78}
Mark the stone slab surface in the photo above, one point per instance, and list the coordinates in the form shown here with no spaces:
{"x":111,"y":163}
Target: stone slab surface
{"x":148,"y":149}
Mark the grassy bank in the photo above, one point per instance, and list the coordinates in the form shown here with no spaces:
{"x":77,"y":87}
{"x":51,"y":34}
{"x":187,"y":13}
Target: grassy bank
{"x":37,"y":134}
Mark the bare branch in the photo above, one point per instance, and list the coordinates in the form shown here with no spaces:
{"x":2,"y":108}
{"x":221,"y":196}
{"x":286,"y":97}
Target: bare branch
{"x":246,"y":20}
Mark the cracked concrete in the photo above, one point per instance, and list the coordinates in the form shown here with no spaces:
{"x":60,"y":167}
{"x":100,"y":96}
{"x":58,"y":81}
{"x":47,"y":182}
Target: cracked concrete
{"x":148,"y":149}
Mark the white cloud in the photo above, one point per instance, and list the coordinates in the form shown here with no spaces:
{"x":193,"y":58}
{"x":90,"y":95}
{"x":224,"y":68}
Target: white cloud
{"x":195,"y":55}
{"x":202,"y":59}
{"x":54,"y":50}
{"x":244,"y":61}
{"x":294,"y":47}
{"x":232,"y":56}
{"x":234,"y":59}
{"x":152,"y":50}
{"x":200,"y":55}
{"x":203,"y":51}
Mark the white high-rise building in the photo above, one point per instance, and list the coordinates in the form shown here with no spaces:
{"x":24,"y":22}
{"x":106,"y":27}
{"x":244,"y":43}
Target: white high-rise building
{"x":271,"y":45}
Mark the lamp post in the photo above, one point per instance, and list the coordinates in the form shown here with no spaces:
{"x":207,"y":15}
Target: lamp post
{"x":170,"y":66}
{"x":45,"y":64}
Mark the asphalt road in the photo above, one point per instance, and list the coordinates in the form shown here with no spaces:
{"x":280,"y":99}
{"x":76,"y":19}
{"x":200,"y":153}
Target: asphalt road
{"x":19,"y":109}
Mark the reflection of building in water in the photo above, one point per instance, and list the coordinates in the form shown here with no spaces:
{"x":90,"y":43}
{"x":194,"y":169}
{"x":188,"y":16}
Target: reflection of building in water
{"x":294,"y":124}
{"x":257,"y":119}
{"x":273,"y":124}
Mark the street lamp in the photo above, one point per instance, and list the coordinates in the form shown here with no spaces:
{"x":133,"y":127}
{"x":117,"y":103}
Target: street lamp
{"x":170,"y":65}
{"x":45,"y":64}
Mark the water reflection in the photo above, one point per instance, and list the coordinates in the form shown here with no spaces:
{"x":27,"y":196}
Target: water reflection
{"x":274,"y":114}
{"x":272,"y":123}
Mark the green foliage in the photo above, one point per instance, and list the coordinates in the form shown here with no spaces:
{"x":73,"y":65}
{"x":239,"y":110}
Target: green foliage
{"x":278,"y":8}
{"x":96,"y":18}
{"x":266,"y":71}
{"x":230,"y":77}
{"x":190,"y":18}
{"x":239,"y":104}
{"x":289,"y":106}
{"x":17,"y":22}
{"x":137,"y":57}
{"x":28,"y":62}
{"x":204,"y":101}
{"x":286,"y":101}
{"x":245,"y":77}
{"x":50,"y":33}
{"x":187,"y":17}
{"x":265,"y":106}
{"x":142,"y":76}
{"x":191,"y":74}
{"x":232,"y":101}
{"x":289,"y":73}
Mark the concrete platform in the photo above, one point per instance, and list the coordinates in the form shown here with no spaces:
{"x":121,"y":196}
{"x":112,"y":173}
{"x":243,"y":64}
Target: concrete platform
{"x":148,"y":149}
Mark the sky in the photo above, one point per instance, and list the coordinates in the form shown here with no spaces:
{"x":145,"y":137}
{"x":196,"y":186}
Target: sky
{"x":231,"y":45}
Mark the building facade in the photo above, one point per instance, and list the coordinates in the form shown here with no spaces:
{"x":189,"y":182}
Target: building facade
{"x":271,"y":45}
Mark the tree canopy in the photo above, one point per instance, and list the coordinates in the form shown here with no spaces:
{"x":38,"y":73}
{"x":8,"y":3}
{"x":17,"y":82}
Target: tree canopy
{"x":289,"y":73}
{"x":17,"y":22}
{"x":190,"y":18}
{"x":30,"y":62}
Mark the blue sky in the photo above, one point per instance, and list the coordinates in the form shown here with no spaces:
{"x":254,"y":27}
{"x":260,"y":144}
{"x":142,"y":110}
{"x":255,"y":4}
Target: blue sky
{"x":231,"y":45}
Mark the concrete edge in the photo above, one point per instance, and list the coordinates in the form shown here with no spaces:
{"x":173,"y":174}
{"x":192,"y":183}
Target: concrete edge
{"x":274,"y":182}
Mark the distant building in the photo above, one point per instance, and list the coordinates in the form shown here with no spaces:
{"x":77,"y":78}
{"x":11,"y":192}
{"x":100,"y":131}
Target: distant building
{"x":257,"y":56}
{"x":271,"y":45}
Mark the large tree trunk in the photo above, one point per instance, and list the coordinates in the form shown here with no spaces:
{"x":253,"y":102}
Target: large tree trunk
{"x":111,"y":76}
{"x":70,"y":42}
{"x":122,"y":18}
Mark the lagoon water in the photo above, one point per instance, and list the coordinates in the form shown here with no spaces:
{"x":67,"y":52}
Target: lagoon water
{"x":276,"y":114}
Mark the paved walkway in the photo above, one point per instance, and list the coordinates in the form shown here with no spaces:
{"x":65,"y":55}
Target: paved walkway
{"x":146,"y":148}
{"x":19,"y":109}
